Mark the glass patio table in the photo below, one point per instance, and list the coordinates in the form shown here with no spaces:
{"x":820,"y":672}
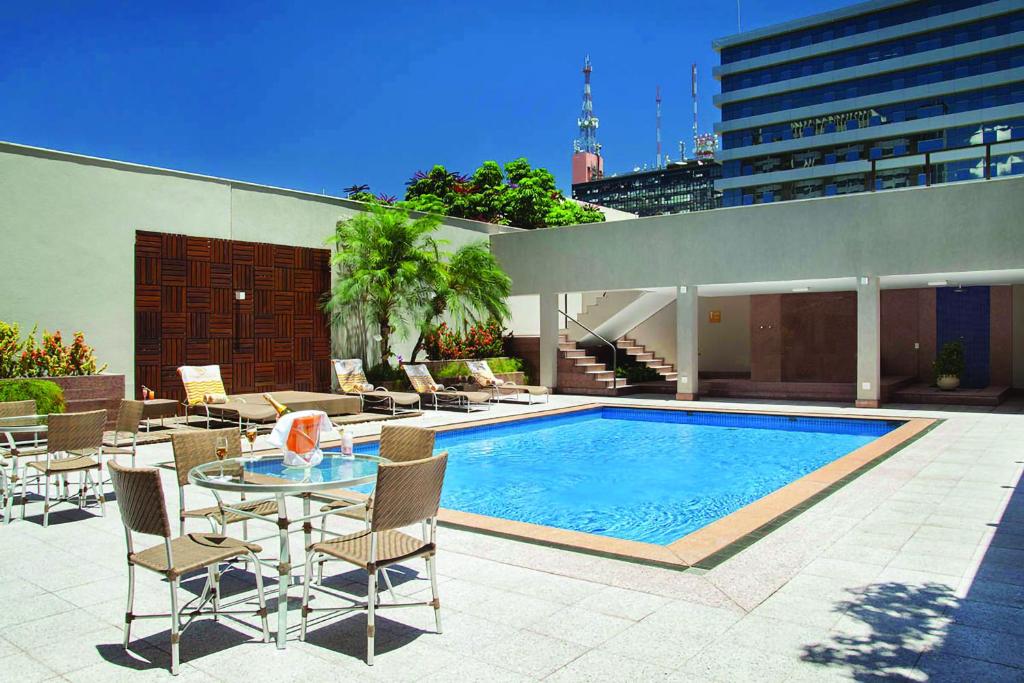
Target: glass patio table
{"x":32,"y":432}
{"x":268,"y":477}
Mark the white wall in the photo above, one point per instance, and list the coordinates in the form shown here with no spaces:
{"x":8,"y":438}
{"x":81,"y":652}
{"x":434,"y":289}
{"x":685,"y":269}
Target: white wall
{"x":722,"y":347}
{"x":67,"y":236}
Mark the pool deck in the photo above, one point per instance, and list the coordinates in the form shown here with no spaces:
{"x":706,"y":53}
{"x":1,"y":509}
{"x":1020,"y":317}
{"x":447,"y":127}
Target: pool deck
{"x":913,"y":569}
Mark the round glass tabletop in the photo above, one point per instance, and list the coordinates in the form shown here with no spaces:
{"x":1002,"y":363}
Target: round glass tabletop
{"x":269,"y":474}
{"x":24,"y":423}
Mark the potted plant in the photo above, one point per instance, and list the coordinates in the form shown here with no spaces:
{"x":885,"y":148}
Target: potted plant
{"x":949,"y":365}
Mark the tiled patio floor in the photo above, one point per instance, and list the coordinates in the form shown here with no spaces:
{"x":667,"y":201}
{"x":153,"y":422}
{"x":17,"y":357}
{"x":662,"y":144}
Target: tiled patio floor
{"x":914,"y":570}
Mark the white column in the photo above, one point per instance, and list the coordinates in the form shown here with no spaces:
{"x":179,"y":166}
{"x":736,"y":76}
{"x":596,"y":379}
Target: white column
{"x":869,"y":354}
{"x":549,"y":318}
{"x":686,"y":342}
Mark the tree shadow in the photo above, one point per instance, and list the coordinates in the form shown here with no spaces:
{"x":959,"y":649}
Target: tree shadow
{"x":934,"y":631}
{"x":889,"y":625}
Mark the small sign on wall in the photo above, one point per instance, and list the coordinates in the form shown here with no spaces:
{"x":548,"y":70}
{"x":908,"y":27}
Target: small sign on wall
{"x":714,"y":316}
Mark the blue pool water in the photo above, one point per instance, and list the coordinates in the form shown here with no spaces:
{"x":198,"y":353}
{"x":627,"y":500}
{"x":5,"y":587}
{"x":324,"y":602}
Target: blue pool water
{"x":636,"y":474}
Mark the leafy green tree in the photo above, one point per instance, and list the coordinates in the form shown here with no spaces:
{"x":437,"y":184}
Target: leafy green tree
{"x":385,"y":262}
{"x":470,"y":287}
{"x":516,"y":195}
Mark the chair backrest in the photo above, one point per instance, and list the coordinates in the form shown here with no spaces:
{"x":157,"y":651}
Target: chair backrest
{"x":351,"y":378}
{"x":75,"y":431}
{"x":481,"y":372}
{"x":420,"y":378}
{"x":129,"y":415}
{"x":407,"y":492}
{"x":17,"y":408}
{"x":404,"y":443}
{"x":200,"y":380}
{"x":140,"y":497}
{"x":200,"y":446}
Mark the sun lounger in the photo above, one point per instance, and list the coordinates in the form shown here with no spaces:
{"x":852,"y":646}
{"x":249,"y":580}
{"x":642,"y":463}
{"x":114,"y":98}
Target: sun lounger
{"x":483,"y":376}
{"x":204,"y":389}
{"x":424,"y":385}
{"x":352,"y":381}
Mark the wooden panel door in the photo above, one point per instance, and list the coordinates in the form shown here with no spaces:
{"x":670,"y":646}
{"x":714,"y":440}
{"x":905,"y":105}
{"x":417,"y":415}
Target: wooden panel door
{"x":187,"y":313}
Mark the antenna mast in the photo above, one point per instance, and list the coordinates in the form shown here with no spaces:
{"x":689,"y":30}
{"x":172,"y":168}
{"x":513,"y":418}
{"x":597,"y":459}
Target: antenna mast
{"x":587,"y":122}
{"x":693,"y":93}
{"x":657,"y":101}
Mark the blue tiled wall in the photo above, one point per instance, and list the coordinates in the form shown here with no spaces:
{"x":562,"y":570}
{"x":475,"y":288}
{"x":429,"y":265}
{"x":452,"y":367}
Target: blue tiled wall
{"x":963,"y":313}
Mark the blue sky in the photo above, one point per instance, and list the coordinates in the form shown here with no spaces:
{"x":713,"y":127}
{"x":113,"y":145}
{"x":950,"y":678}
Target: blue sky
{"x":321,"y":95}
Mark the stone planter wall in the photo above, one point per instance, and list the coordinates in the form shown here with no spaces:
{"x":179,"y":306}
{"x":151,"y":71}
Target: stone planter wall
{"x":92,"y":392}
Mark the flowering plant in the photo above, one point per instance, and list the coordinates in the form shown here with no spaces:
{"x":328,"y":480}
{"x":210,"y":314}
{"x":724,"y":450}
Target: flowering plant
{"x":478,"y":341}
{"x":52,"y":358}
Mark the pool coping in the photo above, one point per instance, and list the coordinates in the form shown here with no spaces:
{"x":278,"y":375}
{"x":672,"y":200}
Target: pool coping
{"x":699,"y":547}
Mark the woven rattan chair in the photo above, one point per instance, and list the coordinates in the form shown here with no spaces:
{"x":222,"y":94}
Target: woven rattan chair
{"x":74,"y":445}
{"x":398,"y":443}
{"x":406,"y":493}
{"x":12,"y":451}
{"x":140,"y":496}
{"x":126,"y":431}
{"x":199,"y":447}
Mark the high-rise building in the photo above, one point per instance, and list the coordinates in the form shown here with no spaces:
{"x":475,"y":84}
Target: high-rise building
{"x":679,"y":187}
{"x":878,"y":95}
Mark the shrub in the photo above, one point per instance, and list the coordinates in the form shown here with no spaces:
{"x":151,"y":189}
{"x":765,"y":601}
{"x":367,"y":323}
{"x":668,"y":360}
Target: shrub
{"x":478,"y":341}
{"x":385,"y":372}
{"x":452,"y":370}
{"x":26,"y":358}
{"x":503,"y":365}
{"x":950,"y":360}
{"x":637,"y":372}
{"x":48,"y":396}
{"x":11,"y":347}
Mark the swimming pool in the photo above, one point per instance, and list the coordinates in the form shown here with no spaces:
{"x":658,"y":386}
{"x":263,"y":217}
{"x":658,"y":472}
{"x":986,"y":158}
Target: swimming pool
{"x":635,"y":474}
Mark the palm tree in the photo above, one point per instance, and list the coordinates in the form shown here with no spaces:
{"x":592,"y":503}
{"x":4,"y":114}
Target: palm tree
{"x":385,"y":263}
{"x":470,"y":286}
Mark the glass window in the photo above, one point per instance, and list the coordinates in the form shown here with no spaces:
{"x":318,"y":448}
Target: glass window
{"x":986,"y":28}
{"x":896,"y":80}
{"x":873,"y":21}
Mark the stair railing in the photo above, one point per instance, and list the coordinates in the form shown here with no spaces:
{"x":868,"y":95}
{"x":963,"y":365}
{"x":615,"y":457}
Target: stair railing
{"x":615,"y":350}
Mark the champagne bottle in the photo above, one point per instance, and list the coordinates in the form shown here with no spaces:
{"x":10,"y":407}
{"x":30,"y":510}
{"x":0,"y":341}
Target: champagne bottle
{"x":281,"y":408}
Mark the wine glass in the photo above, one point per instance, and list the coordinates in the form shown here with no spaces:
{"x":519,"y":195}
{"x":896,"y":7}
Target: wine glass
{"x":250,"y":435}
{"x":222,"y":447}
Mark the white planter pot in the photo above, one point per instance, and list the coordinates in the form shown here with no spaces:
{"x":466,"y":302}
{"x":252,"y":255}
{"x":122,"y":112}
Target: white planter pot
{"x":947,"y":382}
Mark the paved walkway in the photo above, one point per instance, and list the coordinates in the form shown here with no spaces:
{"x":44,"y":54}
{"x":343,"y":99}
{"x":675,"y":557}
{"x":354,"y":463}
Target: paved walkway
{"x":913,"y":570}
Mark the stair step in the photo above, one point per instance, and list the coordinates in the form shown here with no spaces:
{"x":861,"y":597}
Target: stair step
{"x":566,"y":346}
{"x":659,"y":368}
{"x":644,"y":357}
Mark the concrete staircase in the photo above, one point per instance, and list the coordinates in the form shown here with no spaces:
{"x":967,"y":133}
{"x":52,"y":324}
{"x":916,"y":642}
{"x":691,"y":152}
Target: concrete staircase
{"x":640,"y":354}
{"x":581,"y":373}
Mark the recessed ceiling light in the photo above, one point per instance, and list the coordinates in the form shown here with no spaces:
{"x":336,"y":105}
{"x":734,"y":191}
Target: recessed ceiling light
{"x":938,"y":283}
{"x":801,"y":289}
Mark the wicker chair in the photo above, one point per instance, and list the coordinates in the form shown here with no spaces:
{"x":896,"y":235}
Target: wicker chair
{"x":73,"y":439}
{"x":140,"y":496}
{"x":398,"y":443}
{"x":199,"y":447}
{"x":406,"y":493}
{"x":129,"y":415}
{"x":11,"y":453}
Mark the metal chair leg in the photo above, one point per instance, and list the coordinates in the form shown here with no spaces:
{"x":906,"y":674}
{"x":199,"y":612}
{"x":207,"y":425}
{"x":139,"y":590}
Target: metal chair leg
{"x":432,"y":571}
{"x":305,"y":594}
{"x":46,"y":505}
{"x":128,"y":616}
{"x":214,"y":582}
{"x":175,"y":628}
{"x":260,"y":597}
{"x":371,"y":605}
